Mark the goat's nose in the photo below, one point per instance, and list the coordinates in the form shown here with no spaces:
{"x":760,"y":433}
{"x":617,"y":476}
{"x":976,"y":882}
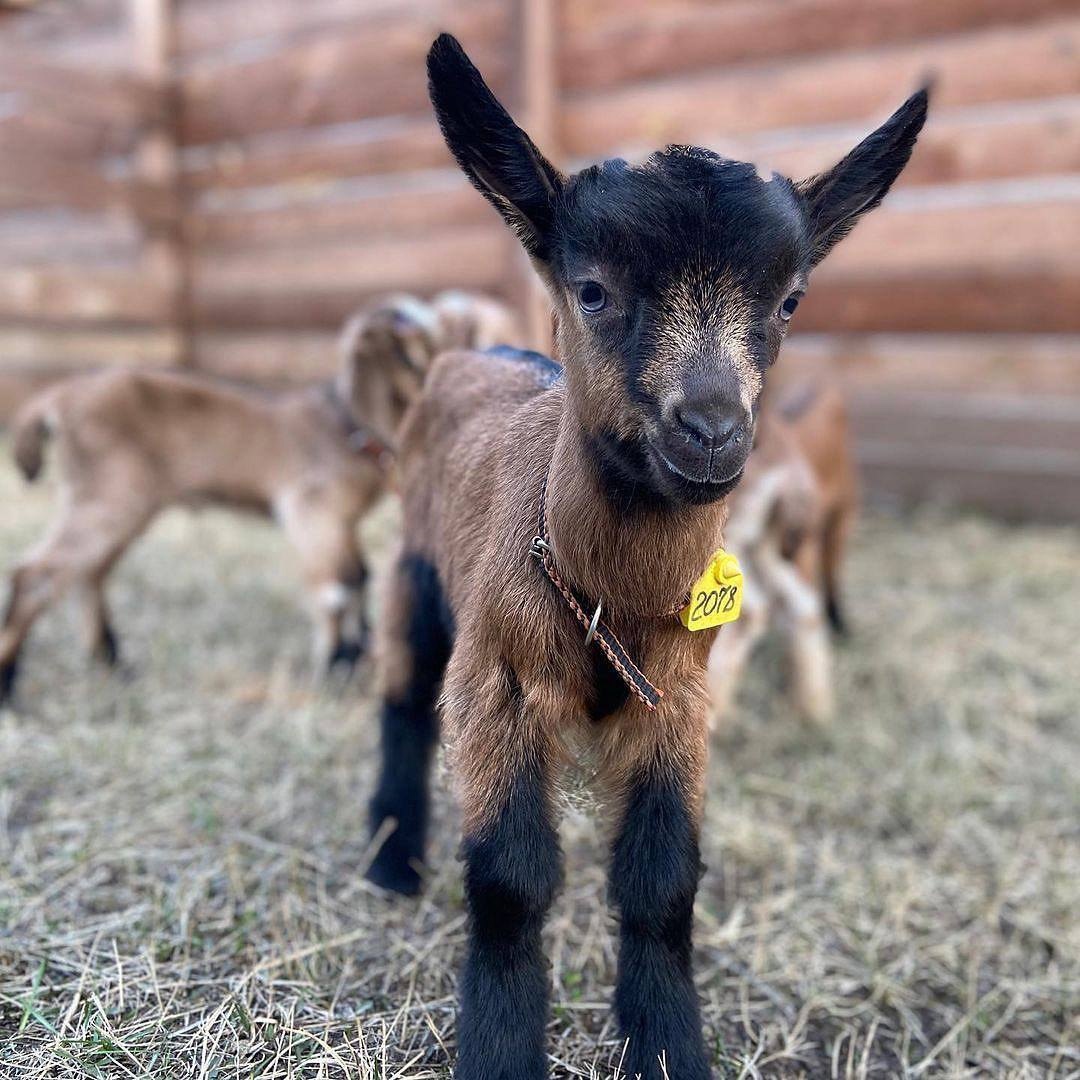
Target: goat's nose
{"x":711,"y":424}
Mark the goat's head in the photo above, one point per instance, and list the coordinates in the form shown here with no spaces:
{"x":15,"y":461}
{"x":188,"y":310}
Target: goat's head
{"x":385,"y":352}
{"x":673,"y":281}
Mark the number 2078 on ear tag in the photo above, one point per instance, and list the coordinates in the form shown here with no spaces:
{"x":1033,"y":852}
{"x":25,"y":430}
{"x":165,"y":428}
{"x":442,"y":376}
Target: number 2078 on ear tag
{"x":716,"y":597}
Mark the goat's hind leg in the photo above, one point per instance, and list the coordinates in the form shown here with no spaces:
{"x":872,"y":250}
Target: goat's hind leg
{"x":98,"y":633}
{"x":414,"y":646}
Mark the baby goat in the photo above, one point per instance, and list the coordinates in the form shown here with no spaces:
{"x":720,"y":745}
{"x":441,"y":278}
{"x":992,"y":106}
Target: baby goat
{"x":132,"y":443}
{"x":788,"y":522}
{"x":672,"y":284}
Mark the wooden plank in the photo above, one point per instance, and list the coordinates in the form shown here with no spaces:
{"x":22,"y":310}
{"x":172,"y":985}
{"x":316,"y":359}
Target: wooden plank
{"x":1000,"y":64}
{"x":83,"y":294}
{"x":957,"y":363}
{"x":318,"y":285}
{"x":318,"y":155}
{"x":665,"y":39}
{"x":364,"y":69}
{"x":27,"y":181}
{"x":95,"y":97}
{"x":268,"y":356}
{"x":1018,"y":489}
{"x":1010,"y":453}
{"x":51,"y":348}
{"x":979,"y":268}
{"x":967,"y":301}
{"x":218,"y":26}
{"x":61,"y":235}
{"x":48,"y":134}
{"x":397,"y":210}
{"x":973,"y":419}
{"x":984,"y":231}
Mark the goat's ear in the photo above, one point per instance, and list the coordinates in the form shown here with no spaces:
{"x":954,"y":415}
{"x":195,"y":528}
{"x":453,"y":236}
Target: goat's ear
{"x":836,"y":199}
{"x":496,"y":155}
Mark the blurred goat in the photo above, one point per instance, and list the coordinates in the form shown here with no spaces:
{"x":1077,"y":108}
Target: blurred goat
{"x":788,"y":525}
{"x":555,"y":521}
{"x":132,"y":443}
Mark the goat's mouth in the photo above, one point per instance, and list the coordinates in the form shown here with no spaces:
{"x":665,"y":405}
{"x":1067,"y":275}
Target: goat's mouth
{"x":702,"y":477}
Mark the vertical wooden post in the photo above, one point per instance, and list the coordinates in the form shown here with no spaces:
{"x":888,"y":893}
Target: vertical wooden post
{"x":540,"y":112}
{"x":157,"y":162}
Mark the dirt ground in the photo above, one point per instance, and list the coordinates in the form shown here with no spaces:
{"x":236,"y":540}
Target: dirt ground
{"x":181,"y":850}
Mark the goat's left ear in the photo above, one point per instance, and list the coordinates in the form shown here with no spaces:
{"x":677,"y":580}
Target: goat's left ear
{"x":836,"y":199}
{"x":500,"y":159}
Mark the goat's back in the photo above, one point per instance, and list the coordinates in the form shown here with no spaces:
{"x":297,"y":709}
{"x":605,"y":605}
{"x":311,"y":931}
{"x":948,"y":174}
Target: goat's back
{"x":165,"y":436}
{"x":473,"y":453}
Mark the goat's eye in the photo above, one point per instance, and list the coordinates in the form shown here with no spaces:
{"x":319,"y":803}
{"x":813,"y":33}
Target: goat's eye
{"x":591,"y":297}
{"x":787,"y":308}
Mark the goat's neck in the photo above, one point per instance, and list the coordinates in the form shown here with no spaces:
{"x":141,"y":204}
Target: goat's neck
{"x":639,"y":560}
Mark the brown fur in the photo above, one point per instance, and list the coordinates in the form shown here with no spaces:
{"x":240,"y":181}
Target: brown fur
{"x":131,"y":443}
{"x":475,"y":457}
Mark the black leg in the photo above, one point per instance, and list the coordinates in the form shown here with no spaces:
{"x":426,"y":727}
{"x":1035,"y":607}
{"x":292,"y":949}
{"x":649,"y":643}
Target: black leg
{"x":512,"y":870}
{"x":8,"y":672}
{"x":107,"y":649}
{"x":654,"y":876}
{"x":835,"y":615}
{"x":410,"y":732}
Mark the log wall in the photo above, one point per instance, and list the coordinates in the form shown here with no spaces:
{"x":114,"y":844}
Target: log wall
{"x":309,"y":175}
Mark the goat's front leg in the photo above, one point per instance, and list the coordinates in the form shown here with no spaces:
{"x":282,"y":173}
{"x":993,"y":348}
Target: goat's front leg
{"x":512,"y":871}
{"x":801,"y":605}
{"x":654,"y":876}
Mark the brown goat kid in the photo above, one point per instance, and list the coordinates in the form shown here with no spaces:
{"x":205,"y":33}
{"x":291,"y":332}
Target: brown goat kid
{"x":672,"y":283}
{"x":788,"y":524}
{"x":132,"y":443}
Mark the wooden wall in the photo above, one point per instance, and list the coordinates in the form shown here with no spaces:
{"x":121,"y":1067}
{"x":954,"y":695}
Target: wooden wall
{"x":88,"y":206}
{"x":311,"y":176}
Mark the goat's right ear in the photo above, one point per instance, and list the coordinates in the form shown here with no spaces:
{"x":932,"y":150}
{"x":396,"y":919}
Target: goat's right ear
{"x":498,"y":157}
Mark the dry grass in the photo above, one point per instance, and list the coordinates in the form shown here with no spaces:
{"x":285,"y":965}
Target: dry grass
{"x":181,"y":854}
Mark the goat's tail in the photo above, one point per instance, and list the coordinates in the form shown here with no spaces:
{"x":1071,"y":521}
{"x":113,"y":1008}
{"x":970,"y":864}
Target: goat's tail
{"x":30,"y":429}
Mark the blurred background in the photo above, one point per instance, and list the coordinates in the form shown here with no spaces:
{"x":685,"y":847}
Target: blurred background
{"x":217,"y":183}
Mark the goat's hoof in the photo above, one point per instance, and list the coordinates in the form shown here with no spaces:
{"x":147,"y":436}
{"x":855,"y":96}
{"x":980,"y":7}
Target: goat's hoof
{"x":395,"y":876}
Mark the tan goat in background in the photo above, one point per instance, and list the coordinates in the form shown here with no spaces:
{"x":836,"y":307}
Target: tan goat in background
{"x":132,"y":443}
{"x":789,"y":523}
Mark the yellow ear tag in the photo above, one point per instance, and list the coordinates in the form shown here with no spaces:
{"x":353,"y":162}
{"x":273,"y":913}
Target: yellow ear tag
{"x":716,"y":597}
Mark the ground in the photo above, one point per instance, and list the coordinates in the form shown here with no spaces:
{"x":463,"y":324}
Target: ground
{"x":182,"y":849}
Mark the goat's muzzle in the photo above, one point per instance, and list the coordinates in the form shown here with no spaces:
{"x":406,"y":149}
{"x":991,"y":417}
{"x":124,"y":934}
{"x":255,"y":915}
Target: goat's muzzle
{"x":702,"y":447}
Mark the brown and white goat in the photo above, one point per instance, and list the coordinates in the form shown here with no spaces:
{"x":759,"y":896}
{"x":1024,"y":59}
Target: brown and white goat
{"x":672,"y":284}
{"x":132,"y":443}
{"x":788,"y":524}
